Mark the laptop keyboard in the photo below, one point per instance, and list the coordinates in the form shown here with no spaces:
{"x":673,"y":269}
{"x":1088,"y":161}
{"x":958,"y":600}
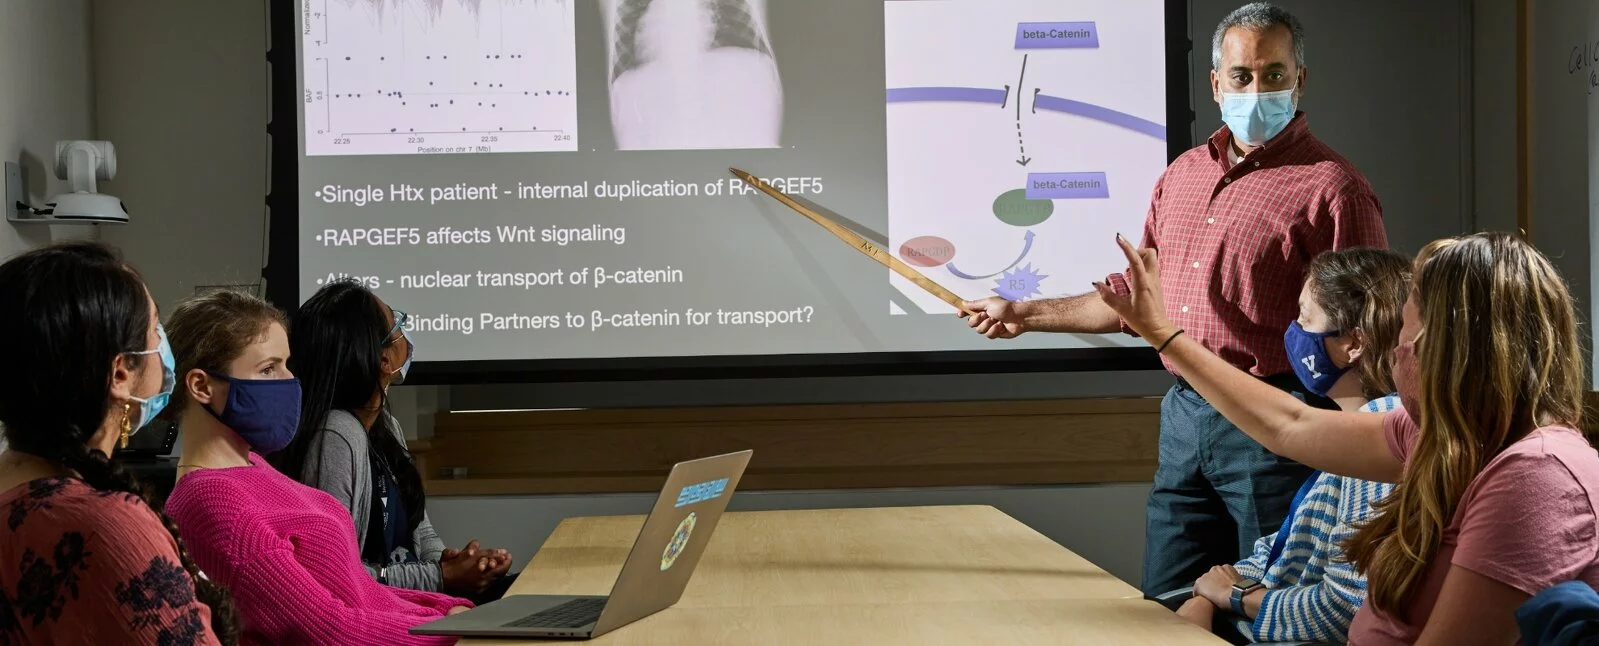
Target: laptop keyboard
{"x":574,"y":613}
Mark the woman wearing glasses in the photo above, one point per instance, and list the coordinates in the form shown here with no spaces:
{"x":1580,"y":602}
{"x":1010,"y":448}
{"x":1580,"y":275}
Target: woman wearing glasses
{"x":347,"y":347}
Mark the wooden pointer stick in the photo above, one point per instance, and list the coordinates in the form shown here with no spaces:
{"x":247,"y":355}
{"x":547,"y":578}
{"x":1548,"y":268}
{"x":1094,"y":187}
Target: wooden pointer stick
{"x":855,"y":240}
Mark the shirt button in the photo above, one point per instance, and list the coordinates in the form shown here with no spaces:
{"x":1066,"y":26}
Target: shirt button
{"x":1226,"y":180}
{"x":1196,"y":265}
{"x":1257,"y":164}
{"x":1185,"y":309}
{"x":1210,"y":221}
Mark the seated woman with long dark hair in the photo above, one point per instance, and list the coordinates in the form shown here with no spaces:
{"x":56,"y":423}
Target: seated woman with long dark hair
{"x":1497,"y":487}
{"x":84,"y":558}
{"x":349,"y":348}
{"x":287,"y":551}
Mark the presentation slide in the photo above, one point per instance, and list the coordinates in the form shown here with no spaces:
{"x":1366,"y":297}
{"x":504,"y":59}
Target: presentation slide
{"x":549,"y":179}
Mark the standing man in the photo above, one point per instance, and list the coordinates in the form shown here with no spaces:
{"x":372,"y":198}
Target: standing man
{"x":1236,"y":221}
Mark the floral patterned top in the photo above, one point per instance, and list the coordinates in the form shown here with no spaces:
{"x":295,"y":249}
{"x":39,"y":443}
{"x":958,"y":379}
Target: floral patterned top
{"x":83,"y":566}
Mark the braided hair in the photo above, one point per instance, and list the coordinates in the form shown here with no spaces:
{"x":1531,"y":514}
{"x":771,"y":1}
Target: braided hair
{"x":67,"y":312}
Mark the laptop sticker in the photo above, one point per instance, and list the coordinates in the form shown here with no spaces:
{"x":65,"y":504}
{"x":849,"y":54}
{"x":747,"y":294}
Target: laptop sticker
{"x":698,"y":493}
{"x":679,"y":539}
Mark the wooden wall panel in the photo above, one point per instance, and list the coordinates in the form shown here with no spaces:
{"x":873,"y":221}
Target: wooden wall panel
{"x":797,"y":447}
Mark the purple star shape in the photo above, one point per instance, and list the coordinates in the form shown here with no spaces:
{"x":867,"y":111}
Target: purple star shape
{"x":1018,"y":284}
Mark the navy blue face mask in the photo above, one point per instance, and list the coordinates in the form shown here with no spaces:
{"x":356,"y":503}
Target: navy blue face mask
{"x":265,"y":412}
{"x":1308,"y":352}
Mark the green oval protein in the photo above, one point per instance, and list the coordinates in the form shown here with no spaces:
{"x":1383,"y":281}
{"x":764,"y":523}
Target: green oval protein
{"x":1012,"y":207}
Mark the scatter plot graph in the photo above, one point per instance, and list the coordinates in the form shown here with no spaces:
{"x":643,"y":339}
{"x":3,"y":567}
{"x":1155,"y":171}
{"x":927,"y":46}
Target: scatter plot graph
{"x":403,"y":77}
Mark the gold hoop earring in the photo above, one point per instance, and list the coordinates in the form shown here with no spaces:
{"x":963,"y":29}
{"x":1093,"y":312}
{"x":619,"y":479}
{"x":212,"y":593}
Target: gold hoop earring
{"x":127,"y":424}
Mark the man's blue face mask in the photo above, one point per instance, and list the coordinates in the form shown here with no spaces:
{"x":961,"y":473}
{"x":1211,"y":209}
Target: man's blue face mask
{"x":1255,"y":117}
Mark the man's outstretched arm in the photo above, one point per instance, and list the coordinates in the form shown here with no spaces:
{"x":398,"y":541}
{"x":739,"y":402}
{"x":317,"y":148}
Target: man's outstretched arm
{"x":998,"y":318}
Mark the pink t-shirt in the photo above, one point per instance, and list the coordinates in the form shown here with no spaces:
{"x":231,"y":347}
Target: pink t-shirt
{"x":1526,"y":521}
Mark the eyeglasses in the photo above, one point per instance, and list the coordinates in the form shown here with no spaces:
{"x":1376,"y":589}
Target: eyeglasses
{"x":401,"y":321}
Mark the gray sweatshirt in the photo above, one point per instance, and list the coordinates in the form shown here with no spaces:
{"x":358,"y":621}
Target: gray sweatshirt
{"x":337,"y":463}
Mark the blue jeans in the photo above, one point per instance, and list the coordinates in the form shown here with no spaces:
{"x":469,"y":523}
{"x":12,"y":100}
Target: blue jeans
{"x":1216,"y":490}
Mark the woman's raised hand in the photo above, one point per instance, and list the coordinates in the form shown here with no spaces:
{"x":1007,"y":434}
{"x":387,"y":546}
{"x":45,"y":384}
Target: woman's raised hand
{"x":1144,"y":307}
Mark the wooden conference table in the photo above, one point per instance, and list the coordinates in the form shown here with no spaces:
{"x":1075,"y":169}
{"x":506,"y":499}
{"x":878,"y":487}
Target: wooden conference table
{"x":912,"y":575}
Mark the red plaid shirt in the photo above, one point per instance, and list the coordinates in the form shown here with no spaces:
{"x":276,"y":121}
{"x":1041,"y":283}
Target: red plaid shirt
{"x":1235,"y":241}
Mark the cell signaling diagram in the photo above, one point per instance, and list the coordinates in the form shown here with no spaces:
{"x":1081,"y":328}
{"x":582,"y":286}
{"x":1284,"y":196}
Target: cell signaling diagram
{"x":1016,"y":149}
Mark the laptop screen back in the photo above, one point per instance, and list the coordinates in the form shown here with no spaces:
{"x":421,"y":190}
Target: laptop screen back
{"x":673,"y":538}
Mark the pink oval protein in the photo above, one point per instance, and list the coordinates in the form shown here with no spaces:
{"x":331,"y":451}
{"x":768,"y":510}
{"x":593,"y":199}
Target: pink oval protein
{"x":927,"y":251}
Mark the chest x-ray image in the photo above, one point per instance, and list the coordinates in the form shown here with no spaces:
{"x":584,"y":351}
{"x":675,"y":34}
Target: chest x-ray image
{"x":692,"y":74}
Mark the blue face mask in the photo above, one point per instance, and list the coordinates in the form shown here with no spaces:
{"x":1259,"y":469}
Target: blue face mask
{"x":1308,"y":352}
{"x":149,"y":408}
{"x":1254,"y":118}
{"x":264,"y":412}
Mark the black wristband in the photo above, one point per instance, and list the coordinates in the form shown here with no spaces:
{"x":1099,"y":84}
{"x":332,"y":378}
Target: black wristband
{"x":1168,"y":341}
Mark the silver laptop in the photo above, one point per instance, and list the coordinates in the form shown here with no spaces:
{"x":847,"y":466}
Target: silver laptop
{"x":657,"y":570}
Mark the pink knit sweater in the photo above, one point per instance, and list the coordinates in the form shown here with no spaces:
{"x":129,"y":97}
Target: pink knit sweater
{"x":288,"y":554}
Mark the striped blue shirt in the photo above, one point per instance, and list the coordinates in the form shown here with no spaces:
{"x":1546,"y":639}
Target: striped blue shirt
{"x":1312,"y":591}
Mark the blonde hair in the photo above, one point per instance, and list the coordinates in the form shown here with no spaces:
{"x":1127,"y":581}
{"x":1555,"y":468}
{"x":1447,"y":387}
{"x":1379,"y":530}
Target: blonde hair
{"x":1497,"y":357}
